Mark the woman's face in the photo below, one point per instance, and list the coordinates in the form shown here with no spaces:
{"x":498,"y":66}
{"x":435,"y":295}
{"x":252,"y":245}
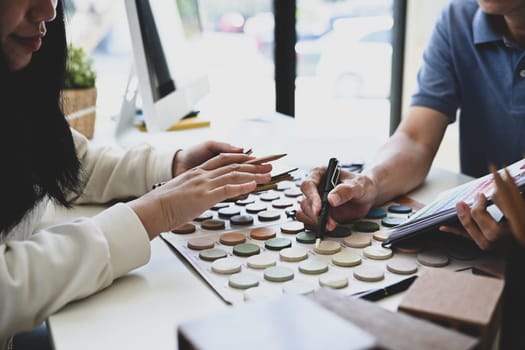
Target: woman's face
{"x":22,"y":27}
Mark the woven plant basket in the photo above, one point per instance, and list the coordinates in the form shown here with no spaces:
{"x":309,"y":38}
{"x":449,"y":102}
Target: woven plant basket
{"x":79,"y":107}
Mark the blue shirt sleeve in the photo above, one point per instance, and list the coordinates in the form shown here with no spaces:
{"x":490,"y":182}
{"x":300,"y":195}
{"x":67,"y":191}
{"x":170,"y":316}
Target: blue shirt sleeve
{"x":437,"y":81}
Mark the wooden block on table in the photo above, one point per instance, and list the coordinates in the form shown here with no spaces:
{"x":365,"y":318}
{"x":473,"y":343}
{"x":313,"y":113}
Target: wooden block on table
{"x":393,"y":330}
{"x":462,"y":301}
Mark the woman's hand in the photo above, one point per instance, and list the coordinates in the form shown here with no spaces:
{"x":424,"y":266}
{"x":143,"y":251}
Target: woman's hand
{"x":198,"y":154}
{"x":188,"y":195}
{"x":350,"y":199}
{"x":478,"y":224}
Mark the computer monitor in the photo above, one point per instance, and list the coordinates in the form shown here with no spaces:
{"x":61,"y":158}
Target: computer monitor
{"x":169,"y":83}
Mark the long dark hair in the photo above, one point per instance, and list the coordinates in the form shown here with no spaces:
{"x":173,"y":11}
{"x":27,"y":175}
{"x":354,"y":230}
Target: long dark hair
{"x":36,"y":146}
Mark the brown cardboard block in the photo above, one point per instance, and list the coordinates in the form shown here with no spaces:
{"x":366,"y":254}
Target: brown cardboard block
{"x":463,"y":301}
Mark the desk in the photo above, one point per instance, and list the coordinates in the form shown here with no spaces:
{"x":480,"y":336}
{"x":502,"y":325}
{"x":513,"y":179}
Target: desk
{"x":142,"y":309}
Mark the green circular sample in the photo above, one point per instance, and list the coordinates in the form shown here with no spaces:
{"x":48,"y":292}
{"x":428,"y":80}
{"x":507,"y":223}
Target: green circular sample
{"x":305,"y":237}
{"x":365,"y":226}
{"x":346,"y":258}
{"x":339,"y":232}
{"x":243,"y":280}
{"x":246,"y":249}
{"x":212,"y":254}
{"x":278,"y":274}
{"x":313,"y":266}
{"x":277,"y":243}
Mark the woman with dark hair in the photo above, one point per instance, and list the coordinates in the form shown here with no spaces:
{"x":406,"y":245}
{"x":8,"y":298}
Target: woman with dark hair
{"x":44,"y":160}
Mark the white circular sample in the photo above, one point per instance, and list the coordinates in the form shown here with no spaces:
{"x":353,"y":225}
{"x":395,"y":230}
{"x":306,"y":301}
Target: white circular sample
{"x":327,"y":247}
{"x":293,"y":254}
{"x":226,"y":266}
{"x":377,"y":253}
{"x":313,"y":266}
{"x":368,"y":273}
{"x":346,"y":258}
{"x":333,"y":280}
{"x":298,"y":287}
{"x":401,"y":266}
{"x":432,"y":258}
{"x":261,"y":261}
{"x":243,"y":280}
{"x":358,"y":240}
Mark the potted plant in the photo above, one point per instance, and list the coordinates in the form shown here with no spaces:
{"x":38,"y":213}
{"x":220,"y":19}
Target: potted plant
{"x":79,"y":96}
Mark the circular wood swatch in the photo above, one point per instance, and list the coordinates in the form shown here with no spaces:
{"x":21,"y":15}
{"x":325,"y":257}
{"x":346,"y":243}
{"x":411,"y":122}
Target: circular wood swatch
{"x":292,"y":227}
{"x":232,"y":238}
{"x":377,"y":253}
{"x":333,"y":280}
{"x":213,"y":224}
{"x":201,"y":243}
{"x":262,"y":233}
{"x":368,"y":273}
{"x":293,"y":254}
{"x":401,"y":266}
{"x":184,"y":229}
{"x":358,"y":240}
{"x":327,"y":247}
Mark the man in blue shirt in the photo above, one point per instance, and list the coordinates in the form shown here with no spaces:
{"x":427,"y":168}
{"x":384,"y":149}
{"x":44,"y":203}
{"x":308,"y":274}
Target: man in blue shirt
{"x":474,"y":63}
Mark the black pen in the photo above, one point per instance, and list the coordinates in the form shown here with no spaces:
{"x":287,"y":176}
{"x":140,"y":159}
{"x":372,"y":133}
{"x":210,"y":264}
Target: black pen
{"x":330,"y":181}
{"x":380,"y":293}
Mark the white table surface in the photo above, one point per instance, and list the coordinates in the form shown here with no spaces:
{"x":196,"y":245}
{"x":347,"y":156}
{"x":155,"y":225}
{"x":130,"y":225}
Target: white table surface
{"x":142,"y":309}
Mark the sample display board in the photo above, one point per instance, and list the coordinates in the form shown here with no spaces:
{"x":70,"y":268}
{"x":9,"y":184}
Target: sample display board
{"x":252,"y":248}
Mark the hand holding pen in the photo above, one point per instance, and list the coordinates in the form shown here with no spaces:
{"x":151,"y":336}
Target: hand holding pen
{"x":330,"y":181}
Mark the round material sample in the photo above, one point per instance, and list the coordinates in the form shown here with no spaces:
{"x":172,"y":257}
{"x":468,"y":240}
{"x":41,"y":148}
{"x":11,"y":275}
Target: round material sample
{"x":220,"y":206}
{"x":212,"y":254}
{"x":207,"y":215}
{"x":228,"y":212}
{"x":358,"y":240}
{"x":270,"y":196}
{"x":339,"y":232}
{"x":201,"y":243}
{"x":333,"y":280}
{"x":377,"y":253}
{"x":313,"y":266}
{"x":293,"y":254}
{"x":293,"y":192}
{"x":261,"y":261}
{"x":282,"y":203}
{"x":213,"y":224}
{"x":432,"y":259}
{"x":376,"y":213}
{"x":255,"y":208}
{"x":346,"y":258}
{"x":292,"y":227}
{"x":246,"y":249}
{"x":409,"y":246}
{"x":306,"y":237}
{"x":283,"y":186}
{"x":269,"y":215}
{"x":243,"y":280}
{"x":400,"y":209}
{"x":327,"y":247}
{"x":278,"y":274}
{"x":368,"y":273}
{"x":243,"y":202}
{"x":232,"y":238}
{"x":401,"y":266}
{"x":226,"y":266}
{"x":365,"y":226}
{"x":392,"y":221}
{"x":381,"y":235}
{"x":242,"y":220}
{"x":277,"y":243}
{"x":184,"y":229}
{"x":298,"y":287}
{"x":262,"y":233}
